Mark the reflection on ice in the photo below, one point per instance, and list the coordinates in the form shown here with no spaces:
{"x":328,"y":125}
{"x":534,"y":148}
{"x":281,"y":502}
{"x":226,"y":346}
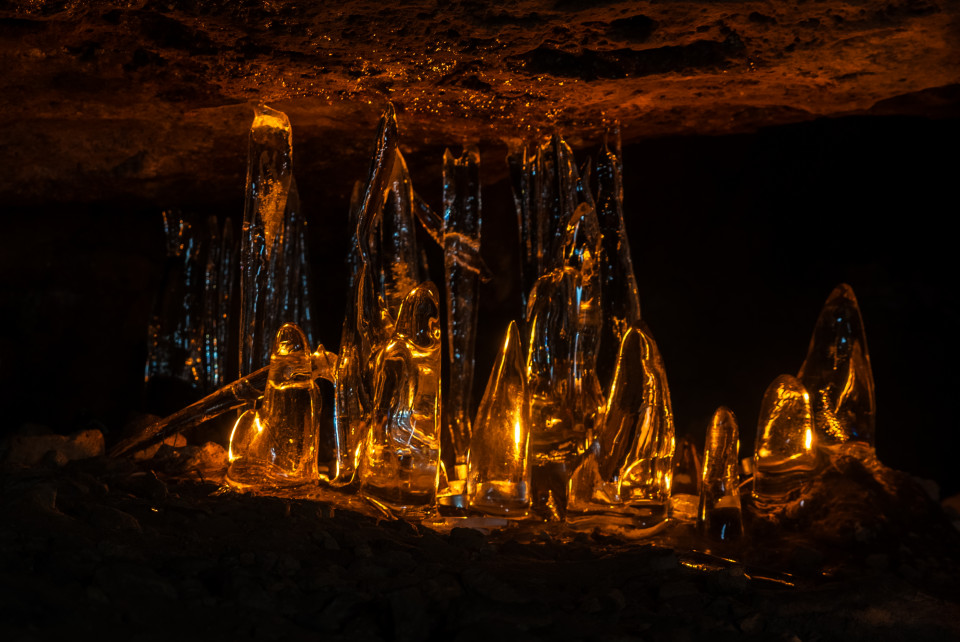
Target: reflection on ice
{"x":576,"y":422}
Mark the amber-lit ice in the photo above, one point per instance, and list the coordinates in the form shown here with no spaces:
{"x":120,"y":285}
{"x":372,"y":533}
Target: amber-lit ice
{"x":277,"y":443}
{"x":620,"y":296}
{"x":368,"y":322}
{"x":685,"y":489}
{"x":498,"y":477}
{"x":274,"y":279}
{"x":576,"y":421}
{"x":629,"y":467}
{"x":837,"y":372}
{"x":719,"y":516}
{"x":461,"y":229}
{"x":400,"y":457}
{"x":786,"y":442}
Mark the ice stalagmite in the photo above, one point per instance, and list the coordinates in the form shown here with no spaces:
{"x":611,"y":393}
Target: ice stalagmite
{"x":400,"y":457}
{"x":175,"y":340}
{"x":557,"y":432}
{"x":525,"y":181}
{"x":628,"y":468}
{"x":595,"y":485}
{"x":277,"y":443}
{"x":269,"y":173}
{"x":498,"y":478}
{"x":461,"y":229}
{"x":620,"y":297}
{"x":366,"y":325}
{"x":295,"y":279}
{"x":558,"y":201}
{"x":648,"y":475}
{"x":582,"y":253}
{"x":786,"y":445}
{"x":219,"y":274}
{"x":719,"y":516}
{"x":396,"y":261}
{"x":837,"y":372}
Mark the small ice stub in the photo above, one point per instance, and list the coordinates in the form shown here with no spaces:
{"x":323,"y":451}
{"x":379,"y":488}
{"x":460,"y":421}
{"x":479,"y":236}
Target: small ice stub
{"x":400,"y":457}
{"x":786,"y":449}
{"x":276,"y":445}
{"x":498,"y":471}
{"x":837,"y":372}
{"x":685,"y":491}
{"x":719,"y":517}
{"x":628,"y":469}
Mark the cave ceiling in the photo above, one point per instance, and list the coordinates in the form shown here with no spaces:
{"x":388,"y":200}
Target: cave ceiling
{"x":105,"y":99}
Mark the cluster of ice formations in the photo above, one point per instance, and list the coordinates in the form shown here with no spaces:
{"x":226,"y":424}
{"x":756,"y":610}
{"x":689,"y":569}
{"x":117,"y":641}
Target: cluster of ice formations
{"x":576,"y":422}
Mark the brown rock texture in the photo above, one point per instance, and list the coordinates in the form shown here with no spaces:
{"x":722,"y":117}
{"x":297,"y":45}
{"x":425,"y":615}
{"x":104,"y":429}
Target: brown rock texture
{"x":110,"y":99}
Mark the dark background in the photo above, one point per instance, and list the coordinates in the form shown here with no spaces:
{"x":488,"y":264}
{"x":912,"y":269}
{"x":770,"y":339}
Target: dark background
{"x":737,"y":240}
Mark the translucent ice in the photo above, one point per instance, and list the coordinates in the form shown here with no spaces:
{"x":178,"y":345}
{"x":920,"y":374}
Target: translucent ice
{"x":685,"y":490}
{"x":219,"y":273}
{"x":277,"y":443}
{"x":620,"y":297}
{"x":269,"y":173}
{"x":552,"y":319}
{"x":396,"y":260}
{"x":498,"y":477}
{"x":461,"y":227}
{"x":648,"y":475}
{"x":367,"y":323}
{"x":175,"y":341}
{"x":837,"y":372}
{"x":558,"y":200}
{"x":719,"y":515}
{"x":582,"y":255}
{"x":237,"y":395}
{"x":525,"y":178}
{"x":628,"y":468}
{"x":545,"y":185}
{"x":399,"y":461}
{"x":786,"y":442}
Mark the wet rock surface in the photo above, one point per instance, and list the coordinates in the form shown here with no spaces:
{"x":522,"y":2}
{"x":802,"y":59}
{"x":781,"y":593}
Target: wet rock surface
{"x":117,"y":547}
{"x":137,"y":99}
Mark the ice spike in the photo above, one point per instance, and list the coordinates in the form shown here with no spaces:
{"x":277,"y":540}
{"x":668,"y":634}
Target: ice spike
{"x":837,"y":372}
{"x":498,"y":477}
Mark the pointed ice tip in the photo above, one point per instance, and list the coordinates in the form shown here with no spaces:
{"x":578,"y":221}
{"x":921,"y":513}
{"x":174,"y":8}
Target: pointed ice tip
{"x":419,"y":317}
{"x":290,"y":339}
{"x":511,"y":343}
{"x":837,"y":371}
{"x":723,"y":419}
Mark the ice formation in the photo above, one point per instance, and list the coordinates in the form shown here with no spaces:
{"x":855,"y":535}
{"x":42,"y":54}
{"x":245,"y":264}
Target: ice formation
{"x":461,"y":237}
{"x":786,"y":442}
{"x":498,"y":477}
{"x":837,"y":372}
{"x":276,"y":444}
{"x":400,"y":456}
{"x":719,"y":517}
{"x":576,"y":422}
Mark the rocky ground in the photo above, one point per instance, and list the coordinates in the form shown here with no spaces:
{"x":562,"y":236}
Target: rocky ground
{"x":153,"y":550}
